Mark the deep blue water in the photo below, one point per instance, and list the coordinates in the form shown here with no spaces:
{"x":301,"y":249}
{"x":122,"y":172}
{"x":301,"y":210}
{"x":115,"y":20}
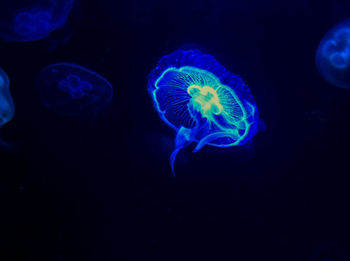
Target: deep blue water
{"x":101,"y":188}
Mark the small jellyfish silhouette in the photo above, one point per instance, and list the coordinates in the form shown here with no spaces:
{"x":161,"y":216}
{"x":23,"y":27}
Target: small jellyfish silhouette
{"x":23,"y":20}
{"x":333,"y":55}
{"x":7,"y":107}
{"x":202,"y":101}
{"x":72,"y":90}
{"x":328,"y":250}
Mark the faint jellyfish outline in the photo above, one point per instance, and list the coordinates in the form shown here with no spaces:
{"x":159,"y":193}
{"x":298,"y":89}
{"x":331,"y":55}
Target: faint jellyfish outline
{"x":34,"y":20}
{"x":333,"y":55}
{"x":73,"y":90}
{"x":7,"y":107}
{"x":195,"y":95}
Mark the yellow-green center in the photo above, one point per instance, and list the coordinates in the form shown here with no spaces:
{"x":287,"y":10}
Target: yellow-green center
{"x":205,"y":99}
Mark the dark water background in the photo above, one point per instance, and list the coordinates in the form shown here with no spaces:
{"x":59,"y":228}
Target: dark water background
{"x":101,"y":189}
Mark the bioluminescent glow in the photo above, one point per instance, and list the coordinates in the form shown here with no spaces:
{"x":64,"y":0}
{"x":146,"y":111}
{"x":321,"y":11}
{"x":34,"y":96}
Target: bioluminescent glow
{"x":7,"y":107}
{"x":72,"y":90}
{"x":333,"y":55}
{"x":202,"y":101}
{"x":32,"y":20}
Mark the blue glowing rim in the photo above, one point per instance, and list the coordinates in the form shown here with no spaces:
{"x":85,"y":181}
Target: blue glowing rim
{"x":195,"y":58}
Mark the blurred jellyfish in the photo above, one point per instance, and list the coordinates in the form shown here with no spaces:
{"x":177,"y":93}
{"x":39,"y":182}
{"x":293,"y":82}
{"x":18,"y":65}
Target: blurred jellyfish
{"x":30,"y":20}
{"x":202,"y":101}
{"x":329,"y":250}
{"x":72,"y":90}
{"x":7,"y":108}
{"x":333,"y":55}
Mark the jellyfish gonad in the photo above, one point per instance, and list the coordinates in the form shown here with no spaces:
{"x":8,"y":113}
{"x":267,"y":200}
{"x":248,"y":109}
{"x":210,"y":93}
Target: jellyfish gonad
{"x":202,"y":101}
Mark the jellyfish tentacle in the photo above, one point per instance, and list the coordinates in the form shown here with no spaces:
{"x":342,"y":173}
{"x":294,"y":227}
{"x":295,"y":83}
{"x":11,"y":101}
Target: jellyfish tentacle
{"x":172,"y":159}
{"x":216,"y":135}
{"x":183,"y":139}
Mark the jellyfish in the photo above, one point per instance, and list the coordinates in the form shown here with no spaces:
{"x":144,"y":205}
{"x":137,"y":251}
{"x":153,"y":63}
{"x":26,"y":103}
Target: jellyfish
{"x":329,"y":250}
{"x":333,"y":55}
{"x":7,"y":108}
{"x":23,"y":20}
{"x":202,"y":101}
{"x":72,"y":90}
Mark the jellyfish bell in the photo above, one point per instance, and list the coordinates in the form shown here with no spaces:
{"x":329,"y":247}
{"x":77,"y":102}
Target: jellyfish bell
{"x":24,"y":21}
{"x":7,"y":108}
{"x":202,"y":101}
{"x":73,"y":90}
{"x":333,"y":55}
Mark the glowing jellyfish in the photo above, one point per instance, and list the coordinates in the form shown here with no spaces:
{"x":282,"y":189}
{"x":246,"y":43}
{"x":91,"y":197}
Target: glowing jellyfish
{"x":202,"y":101}
{"x":72,"y":90}
{"x":7,"y":108}
{"x":29,"y":20}
{"x":333,"y":55}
